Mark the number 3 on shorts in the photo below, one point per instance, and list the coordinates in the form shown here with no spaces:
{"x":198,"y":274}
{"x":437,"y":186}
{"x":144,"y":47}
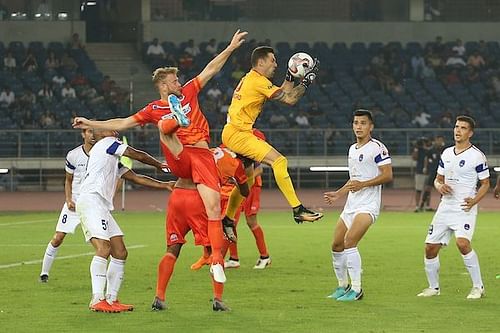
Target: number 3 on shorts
{"x":104,"y":224}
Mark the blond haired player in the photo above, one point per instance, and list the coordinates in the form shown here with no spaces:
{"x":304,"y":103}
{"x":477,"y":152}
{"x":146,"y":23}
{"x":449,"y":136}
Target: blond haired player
{"x":253,"y":90}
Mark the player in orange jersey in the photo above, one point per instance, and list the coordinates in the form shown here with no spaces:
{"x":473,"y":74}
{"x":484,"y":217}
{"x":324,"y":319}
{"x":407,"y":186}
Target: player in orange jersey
{"x":179,"y":105}
{"x":185,"y":213}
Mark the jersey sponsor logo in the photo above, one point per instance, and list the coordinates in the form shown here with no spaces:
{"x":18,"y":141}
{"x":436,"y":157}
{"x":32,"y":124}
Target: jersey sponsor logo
{"x":461,"y":163}
{"x":361,"y":157}
{"x":173,"y":237}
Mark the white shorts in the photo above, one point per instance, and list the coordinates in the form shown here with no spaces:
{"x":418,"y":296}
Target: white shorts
{"x":348,"y":218}
{"x":68,"y":220}
{"x":97,"y":221}
{"x":420,"y":180}
{"x":444,"y":224}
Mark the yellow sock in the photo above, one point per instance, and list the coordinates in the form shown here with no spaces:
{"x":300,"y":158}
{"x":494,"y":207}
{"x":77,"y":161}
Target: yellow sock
{"x":236,"y":199}
{"x":280,"y":169}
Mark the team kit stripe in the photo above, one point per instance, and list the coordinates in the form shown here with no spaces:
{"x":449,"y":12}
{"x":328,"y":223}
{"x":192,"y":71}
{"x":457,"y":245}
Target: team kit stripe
{"x":112,"y":149}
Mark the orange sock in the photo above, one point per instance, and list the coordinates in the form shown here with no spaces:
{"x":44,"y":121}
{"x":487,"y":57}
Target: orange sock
{"x":258,"y":233}
{"x":218,"y":289}
{"x":225,"y":247}
{"x":216,"y":237}
{"x":165,"y":270}
{"x":233,"y":251}
{"x":168,"y":126}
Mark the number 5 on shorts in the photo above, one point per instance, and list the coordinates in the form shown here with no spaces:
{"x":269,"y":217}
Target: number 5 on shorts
{"x":104,"y":224}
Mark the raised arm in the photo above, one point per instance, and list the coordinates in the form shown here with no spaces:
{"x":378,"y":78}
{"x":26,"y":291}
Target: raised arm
{"x":143,"y":157}
{"x":290,"y":94}
{"x":214,"y":66}
{"x":116,"y":124}
{"x":147,"y":181}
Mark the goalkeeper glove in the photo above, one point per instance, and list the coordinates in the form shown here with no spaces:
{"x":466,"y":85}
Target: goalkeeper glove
{"x":311,"y":74}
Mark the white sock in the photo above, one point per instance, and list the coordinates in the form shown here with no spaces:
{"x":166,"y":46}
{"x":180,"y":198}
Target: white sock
{"x":432,"y":271}
{"x":340,"y":268}
{"x":98,"y":277}
{"x":116,"y":270}
{"x":353,"y":260}
{"x":48,"y":258}
{"x":472,"y":264}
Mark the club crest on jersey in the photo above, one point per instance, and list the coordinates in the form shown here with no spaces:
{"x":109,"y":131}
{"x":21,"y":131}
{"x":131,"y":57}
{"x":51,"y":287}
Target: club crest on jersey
{"x":466,"y":226}
{"x":173,"y":237}
{"x":461,"y":163}
{"x":361,"y":157}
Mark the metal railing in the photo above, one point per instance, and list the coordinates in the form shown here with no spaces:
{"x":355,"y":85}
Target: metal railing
{"x":15,"y":144}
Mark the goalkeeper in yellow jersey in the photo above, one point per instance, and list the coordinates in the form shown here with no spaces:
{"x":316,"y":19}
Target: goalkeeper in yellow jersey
{"x":253,"y":90}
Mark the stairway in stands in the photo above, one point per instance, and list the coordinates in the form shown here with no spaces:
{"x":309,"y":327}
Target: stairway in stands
{"x":123,"y":63}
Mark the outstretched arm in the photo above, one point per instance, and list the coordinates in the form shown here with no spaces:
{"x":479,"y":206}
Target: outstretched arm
{"x":116,"y":124}
{"x":289,"y":94}
{"x":143,"y":157}
{"x":147,"y":181}
{"x":214,"y":66}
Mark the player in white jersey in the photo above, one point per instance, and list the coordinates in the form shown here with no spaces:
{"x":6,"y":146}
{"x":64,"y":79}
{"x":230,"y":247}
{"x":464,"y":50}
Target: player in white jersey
{"x":99,"y":227}
{"x":369,"y":167}
{"x":76,"y":166}
{"x":460,"y":168}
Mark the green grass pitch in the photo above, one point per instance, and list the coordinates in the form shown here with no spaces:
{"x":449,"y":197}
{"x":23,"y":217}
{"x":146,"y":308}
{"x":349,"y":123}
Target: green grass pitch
{"x":289,"y":296}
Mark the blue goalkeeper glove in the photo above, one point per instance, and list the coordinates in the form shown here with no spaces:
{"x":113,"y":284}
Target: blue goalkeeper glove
{"x":311,"y":74}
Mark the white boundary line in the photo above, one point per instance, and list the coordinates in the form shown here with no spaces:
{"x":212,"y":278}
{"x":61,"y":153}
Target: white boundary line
{"x":38,"y":261}
{"x":27,"y":222}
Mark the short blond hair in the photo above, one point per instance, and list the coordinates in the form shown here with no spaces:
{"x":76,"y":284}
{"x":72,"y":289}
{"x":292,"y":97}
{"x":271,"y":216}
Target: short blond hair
{"x":160,"y":73}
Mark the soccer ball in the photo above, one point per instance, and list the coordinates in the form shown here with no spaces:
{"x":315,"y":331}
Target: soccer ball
{"x":299,"y":64}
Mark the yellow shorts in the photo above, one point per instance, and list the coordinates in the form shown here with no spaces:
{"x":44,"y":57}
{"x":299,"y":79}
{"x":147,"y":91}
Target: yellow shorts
{"x":245,"y":143}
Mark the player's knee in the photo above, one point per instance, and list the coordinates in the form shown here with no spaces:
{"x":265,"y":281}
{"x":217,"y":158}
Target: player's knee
{"x":432,"y":250}
{"x":280,"y":165}
{"x":121,"y":254}
{"x":350,"y":243}
{"x":463,"y":246}
{"x":174,"y":249}
{"x":57,"y":240}
{"x":337,"y":246}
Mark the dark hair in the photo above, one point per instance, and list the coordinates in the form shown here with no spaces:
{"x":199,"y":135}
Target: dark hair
{"x":260,"y":53}
{"x":467,"y":119}
{"x":362,"y":112}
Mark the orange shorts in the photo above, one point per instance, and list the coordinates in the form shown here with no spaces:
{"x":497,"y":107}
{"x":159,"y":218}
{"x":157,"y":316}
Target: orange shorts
{"x":224,"y":200}
{"x":251,"y":205}
{"x":195,"y":163}
{"x":185,"y":211}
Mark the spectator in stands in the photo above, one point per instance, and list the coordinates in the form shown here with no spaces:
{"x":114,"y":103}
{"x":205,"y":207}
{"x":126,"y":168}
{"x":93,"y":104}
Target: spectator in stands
{"x":7,"y":97}
{"x":214,"y":93}
{"x":52,"y":63}
{"x":46,"y":93}
{"x":30,"y":64}
{"x":186,"y":62}
{"x":483,"y":50}
{"x":472,"y":76}
{"x":315,"y":109}
{"x":44,"y":9}
{"x":90,"y":95}
{"x":155,"y":54}
{"x":435,"y":61}
{"x":301,"y":119}
{"x":476,"y":60}
{"x":278,"y":120}
{"x":438,"y":47}
{"x":428,"y":72}
{"x":27,"y":99}
{"x":47,"y":120}
{"x":419,"y":154}
{"x":455,"y":61}
{"x":9,"y":62}
{"x":68,"y":63}
{"x":192,"y":49}
{"x":68,"y":91}
{"x":459,"y":48}
{"x":211,"y":47}
{"x":76,"y":43}
{"x":445,"y":121}
{"x":417,"y":65}
{"x":452,"y":77}
{"x":157,"y":15}
{"x":421,"y":119}
{"x":237,"y":72}
{"x":224,"y":104}
{"x":58,"y":80}
{"x":27,"y":120}
{"x":79,"y":80}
